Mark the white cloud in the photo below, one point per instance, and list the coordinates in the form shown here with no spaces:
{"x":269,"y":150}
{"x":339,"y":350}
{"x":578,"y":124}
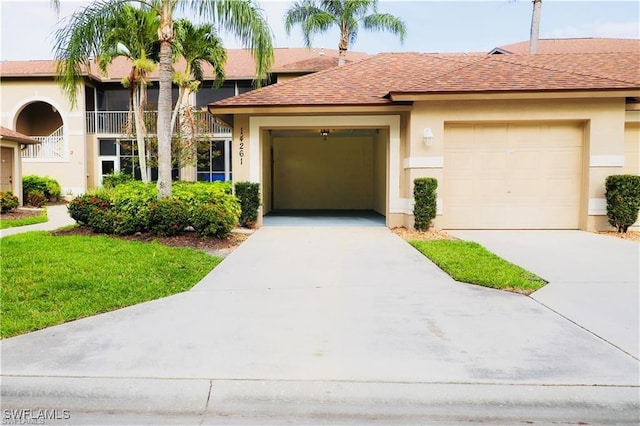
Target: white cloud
{"x":599,"y":29}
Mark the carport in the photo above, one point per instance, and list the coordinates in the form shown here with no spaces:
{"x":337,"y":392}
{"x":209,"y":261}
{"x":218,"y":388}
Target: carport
{"x":324,"y":172}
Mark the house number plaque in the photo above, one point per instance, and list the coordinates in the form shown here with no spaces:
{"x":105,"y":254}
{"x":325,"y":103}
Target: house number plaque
{"x":241,"y":146}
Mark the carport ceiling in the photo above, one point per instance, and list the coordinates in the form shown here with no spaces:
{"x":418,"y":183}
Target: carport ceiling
{"x":307,"y":132}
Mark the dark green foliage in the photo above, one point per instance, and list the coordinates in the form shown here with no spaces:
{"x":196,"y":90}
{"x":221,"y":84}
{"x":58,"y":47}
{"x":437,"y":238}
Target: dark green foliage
{"x":48,"y":186}
{"x":131,"y":203}
{"x":211,"y":220}
{"x":424,"y":210}
{"x":93,"y":210}
{"x":114,"y":179}
{"x":133,"y":207}
{"x":248,"y":194}
{"x":623,"y":200}
{"x":8,"y":201}
{"x":168,"y":217}
{"x":36,"y":199}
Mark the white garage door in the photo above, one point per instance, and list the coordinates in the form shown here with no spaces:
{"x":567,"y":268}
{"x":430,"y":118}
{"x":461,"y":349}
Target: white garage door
{"x":512,"y":176}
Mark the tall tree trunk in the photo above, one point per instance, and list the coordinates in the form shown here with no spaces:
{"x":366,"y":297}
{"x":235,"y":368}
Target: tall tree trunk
{"x":535,"y":26}
{"x":165,"y":34}
{"x":343,"y":46}
{"x":141,"y":130}
{"x":187,"y":132}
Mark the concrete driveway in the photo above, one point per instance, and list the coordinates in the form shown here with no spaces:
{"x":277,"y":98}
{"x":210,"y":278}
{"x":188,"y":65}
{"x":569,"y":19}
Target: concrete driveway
{"x":594,"y":280}
{"x":329,"y":324}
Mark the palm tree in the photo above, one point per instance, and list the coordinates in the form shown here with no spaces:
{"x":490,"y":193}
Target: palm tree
{"x":133,"y":35}
{"x":317,"y":16}
{"x":81,"y":38}
{"x":197,"y":46}
{"x":535,"y":26}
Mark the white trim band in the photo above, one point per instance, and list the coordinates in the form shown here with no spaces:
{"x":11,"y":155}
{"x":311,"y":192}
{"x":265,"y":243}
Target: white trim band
{"x":597,"y":206}
{"x":606,"y":161}
{"x":406,"y":206}
{"x":424,"y":162}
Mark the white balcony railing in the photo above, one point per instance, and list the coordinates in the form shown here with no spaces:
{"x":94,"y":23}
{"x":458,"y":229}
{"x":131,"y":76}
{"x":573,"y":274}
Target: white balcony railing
{"x":50,"y":147}
{"x":115,"y":122}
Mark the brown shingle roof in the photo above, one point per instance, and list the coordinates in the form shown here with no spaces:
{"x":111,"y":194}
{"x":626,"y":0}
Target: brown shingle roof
{"x":371,"y":81}
{"x":12,"y":135}
{"x":577,"y":45}
{"x":240,"y":64}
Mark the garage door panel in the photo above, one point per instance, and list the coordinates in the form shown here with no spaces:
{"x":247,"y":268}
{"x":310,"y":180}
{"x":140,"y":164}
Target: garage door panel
{"x":513,"y":176}
{"x":632,"y":148}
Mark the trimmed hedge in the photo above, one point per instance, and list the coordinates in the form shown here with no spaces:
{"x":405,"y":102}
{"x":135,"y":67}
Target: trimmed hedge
{"x":8,"y":201}
{"x":623,"y":200}
{"x":45,"y":184}
{"x":424,"y":209}
{"x":133,"y":207}
{"x":248,"y":194}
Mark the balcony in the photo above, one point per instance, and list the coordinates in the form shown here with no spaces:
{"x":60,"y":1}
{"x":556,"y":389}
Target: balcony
{"x":115,"y":122}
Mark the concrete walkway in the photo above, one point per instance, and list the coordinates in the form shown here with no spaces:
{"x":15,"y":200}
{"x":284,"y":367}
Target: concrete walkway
{"x":58,"y":217}
{"x":342,"y":325}
{"x":594,"y":280}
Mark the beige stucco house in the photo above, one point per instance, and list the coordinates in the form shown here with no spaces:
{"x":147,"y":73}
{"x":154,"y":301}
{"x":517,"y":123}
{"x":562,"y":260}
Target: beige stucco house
{"x":11,"y":145}
{"x":516,"y":141}
{"x":83,"y":142}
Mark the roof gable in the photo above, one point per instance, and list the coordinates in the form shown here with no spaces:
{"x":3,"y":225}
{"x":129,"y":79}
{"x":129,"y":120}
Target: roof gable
{"x":240,"y":64}
{"x":371,"y":81}
{"x":574,"y":45}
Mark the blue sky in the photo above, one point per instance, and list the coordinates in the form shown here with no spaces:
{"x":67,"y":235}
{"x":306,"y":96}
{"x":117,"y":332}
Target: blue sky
{"x":433,"y":26}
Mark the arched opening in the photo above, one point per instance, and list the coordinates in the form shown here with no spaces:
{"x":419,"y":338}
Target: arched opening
{"x":42,"y":121}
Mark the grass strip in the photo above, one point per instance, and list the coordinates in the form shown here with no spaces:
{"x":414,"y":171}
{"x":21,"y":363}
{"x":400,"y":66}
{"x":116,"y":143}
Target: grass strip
{"x":12,"y":223}
{"x":48,"y":280}
{"x":471,"y":263}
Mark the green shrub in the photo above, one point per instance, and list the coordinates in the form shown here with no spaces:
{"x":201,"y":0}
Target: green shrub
{"x":36,"y":199}
{"x":168,"y":217}
{"x":623,"y":200}
{"x":45,"y":184}
{"x":424,"y":210}
{"x":114,"y":179}
{"x":82,"y":208}
{"x":133,"y":207}
{"x":102,"y":220}
{"x":213,"y":210}
{"x":248,"y":194}
{"x":132,"y":201}
{"x":214,"y":220}
{"x":8,"y":201}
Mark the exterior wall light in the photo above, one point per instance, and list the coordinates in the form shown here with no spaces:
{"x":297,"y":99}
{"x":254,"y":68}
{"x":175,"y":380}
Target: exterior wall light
{"x":324,"y":133}
{"x":427,"y":136}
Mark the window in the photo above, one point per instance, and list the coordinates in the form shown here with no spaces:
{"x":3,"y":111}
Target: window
{"x":121,"y":155}
{"x":214,"y":161}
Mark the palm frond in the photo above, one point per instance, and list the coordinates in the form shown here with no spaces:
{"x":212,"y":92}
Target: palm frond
{"x":386,"y":22}
{"x":79,"y":39}
{"x":245,"y":20}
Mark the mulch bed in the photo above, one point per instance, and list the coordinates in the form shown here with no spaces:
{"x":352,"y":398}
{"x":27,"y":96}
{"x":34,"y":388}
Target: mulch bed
{"x":630,"y":235}
{"x":216,"y":247}
{"x":20,"y":213}
{"x":430,"y":235}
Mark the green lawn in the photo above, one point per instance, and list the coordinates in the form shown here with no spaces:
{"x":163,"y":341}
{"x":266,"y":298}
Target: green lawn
{"x":469,"y":262}
{"x":48,"y":280}
{"x":12,"y":223}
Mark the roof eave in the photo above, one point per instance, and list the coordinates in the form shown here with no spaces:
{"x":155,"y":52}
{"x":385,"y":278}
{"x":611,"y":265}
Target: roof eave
{"x":514,"y":94}
{"x":224,"y":112}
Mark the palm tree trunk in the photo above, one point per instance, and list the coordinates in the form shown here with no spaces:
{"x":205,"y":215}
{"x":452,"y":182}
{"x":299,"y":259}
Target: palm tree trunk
{"x":535,"y":26}
{"x":343,"y":46}
{"x":164,"y":119}
{"x":141,"y":131}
